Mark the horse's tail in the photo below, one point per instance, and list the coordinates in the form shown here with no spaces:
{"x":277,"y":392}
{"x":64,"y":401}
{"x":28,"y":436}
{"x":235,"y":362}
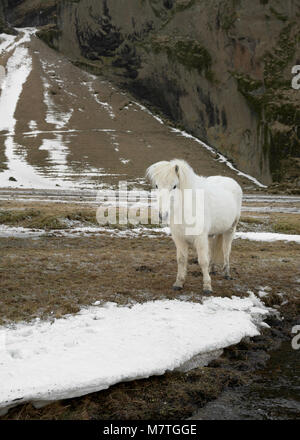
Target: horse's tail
{"x":216,"y":249}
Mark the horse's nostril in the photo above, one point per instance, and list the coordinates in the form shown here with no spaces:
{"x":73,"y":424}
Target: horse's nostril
{"x":160,"y":217}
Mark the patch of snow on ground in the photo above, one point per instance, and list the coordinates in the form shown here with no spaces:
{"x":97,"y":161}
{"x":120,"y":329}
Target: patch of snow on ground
{"x":267,"y":236}
{"x":54,"y":116}
{"x":138,"y":231}
{"x":18,"y":68}
{"x":10,"y":42}
{"x":101,"y":346}
{"x":143,"y":108}
{"x":32,"y":125}
{"x":124,"y":161}
{"x":24,"y":173}
{"x":6,"y":41}
{"x":92,"y":91}
{"x":19,"y":232}
{"x":57,"y":154}
{"x":264,"y":291}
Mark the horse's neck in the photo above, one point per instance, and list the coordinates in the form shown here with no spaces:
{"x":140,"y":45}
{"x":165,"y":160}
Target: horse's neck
{"x":193,"y":182}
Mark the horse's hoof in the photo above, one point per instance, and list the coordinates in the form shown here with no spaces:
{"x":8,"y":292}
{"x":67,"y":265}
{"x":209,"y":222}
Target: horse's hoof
{"x":227,"y":277}
{"x":207,"y":292}
{"x":176,"y":288}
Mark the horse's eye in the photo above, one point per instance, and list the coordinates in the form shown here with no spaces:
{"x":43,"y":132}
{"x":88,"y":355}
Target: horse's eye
{"x":156,"y":186}
{"x":175,"y":186}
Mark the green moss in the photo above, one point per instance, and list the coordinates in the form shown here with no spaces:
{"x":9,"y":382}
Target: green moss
{"x":189,"y":53}
{"x":276,"y":61}
{"x":183,"y":5}
{"x":251,"y":89}
{"x":88,"y":66}
{"x":286,"y":113}
{"x":278,"y":15}
{"x":50,"y":35}
{"x":228,"y":14}
{"x":228,"y":20}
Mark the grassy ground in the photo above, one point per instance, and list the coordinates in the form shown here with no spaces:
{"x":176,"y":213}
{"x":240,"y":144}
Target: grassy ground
{"x":61,"y":216}
{"x":52,"y":276}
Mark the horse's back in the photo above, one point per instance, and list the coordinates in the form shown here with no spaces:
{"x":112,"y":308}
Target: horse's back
{"x":226,"y":182}
{"x":224,"y":200}
{"x":221,"y":183}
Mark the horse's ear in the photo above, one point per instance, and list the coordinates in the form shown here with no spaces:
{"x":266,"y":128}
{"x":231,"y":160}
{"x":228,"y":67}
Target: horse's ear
{"x":177,"y":170}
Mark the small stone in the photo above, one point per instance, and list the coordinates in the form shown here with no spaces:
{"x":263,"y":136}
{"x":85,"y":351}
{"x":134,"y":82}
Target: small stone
{"x":12,"y":179}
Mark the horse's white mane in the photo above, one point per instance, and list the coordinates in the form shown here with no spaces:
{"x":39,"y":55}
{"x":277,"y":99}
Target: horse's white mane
{"x":165,"y":172}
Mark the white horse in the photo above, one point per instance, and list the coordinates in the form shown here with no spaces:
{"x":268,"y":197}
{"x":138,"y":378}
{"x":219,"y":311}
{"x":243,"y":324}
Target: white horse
{"x":219,"y":212}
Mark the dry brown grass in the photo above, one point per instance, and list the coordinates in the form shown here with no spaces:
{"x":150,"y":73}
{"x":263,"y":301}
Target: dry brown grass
{"x":45,"y":217}
{"x":58,"y":216}
{"x":53,"y":276}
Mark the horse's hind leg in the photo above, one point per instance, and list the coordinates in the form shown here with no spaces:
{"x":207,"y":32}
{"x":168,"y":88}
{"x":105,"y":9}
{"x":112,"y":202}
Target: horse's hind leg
{"x":182,"y":259}
{"x":227,"y":242}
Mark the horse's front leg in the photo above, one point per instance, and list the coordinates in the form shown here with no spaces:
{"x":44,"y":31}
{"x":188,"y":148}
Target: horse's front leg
{"x":182,"y":259}
{"x":202,"y":246}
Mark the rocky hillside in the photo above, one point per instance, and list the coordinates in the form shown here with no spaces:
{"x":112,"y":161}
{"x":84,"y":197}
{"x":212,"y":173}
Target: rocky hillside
{"x":219,"y":68}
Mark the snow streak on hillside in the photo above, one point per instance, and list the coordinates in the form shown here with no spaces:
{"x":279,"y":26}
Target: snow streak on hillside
{"x":18,"y":68}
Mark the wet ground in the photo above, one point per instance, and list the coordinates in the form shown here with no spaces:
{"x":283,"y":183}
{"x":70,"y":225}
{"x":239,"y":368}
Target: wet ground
{"x":274,"y":393}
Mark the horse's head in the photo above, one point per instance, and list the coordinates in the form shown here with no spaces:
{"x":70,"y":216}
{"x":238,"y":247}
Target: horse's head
{"x":168,"y":178}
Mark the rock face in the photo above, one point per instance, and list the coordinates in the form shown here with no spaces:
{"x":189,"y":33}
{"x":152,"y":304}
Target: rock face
{"x":4,"y":26}
{"x":219,"y":68}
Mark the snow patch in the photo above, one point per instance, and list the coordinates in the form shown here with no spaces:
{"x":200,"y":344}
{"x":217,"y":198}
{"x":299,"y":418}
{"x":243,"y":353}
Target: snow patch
{"x":10,"y":42}
{"x":6,"y":41}
{"x":103,"y":104}
{"x":264,"y":291}
{"x":54,"y":116}
{"x":32,"y":125}
{"x":267,"y":236}
{"x":18,"y":68}
{"x":19,"y":232}
{"x":124,"y":161}
{"x":101,"y":346}
{"x":139,"y":231}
